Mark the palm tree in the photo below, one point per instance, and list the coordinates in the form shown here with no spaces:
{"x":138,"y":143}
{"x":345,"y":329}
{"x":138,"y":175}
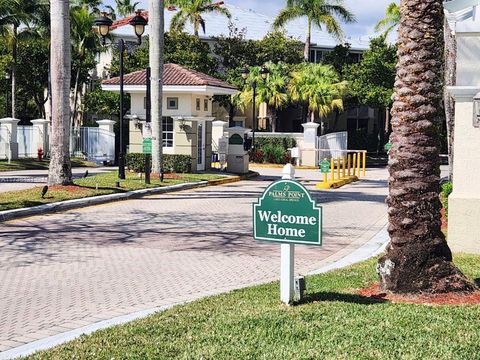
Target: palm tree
{"x":390,"y":21}
{"x":319,"y":87}
{"x":418,"y":258}
{"x":191,"y":11}
{"x":126,"y":7}
{"x":14,"y":14}
{"x":84,"y":43}
{"x":60,"y":172}
{"x":273,"y":91}
{"x":319,"y":13}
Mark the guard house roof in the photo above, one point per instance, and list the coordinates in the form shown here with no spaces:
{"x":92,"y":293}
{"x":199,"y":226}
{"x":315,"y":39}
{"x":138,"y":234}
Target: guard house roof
{"x":175,"y":78}
{"x":256,"y":26}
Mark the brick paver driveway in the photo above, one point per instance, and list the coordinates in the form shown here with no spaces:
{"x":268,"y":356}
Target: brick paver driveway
{"x":63,"y":271}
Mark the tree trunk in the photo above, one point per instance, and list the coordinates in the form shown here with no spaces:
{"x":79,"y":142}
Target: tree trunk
{"x":156,"y":22}
{"x":306,"y":52}
{"x":272,"y":114}
{"x":75,"y":96}
{"x":418,"y":258}
{"x":60,"y":172}
{"x":449,"y":102}
{"x":14,"y":70}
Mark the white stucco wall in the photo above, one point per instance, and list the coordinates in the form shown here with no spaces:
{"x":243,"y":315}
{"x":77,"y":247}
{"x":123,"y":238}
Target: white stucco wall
{"x":468,"y":59}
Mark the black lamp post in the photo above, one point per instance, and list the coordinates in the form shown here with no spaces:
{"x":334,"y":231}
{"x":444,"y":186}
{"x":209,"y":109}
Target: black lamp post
{"x":103,"y":24}
{"x":8,"y":76}
{"x":244,"y":72}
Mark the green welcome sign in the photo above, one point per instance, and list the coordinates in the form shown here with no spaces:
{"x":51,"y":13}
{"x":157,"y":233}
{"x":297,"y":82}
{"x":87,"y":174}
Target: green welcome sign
{"x":287,"y":213}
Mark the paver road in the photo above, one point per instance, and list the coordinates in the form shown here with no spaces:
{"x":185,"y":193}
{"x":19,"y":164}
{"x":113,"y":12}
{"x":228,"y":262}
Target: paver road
{"x":63,"y":271}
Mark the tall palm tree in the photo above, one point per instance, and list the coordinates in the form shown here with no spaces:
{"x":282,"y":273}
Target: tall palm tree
{"x":60,"y":171}
{"x":126,"y":7}
{"x":418,"y":258}
{"x":319,"y":88}
{"x":191,"y":11}
{"x":14,"y":14}
{"x":390,"y":21}
{"x":319,"y":13}
{"x":273,"y":91}
{"x":84,"y":42}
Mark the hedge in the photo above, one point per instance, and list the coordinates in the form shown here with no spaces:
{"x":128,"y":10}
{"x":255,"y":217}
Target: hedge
{"x":171,"y":163}
{"x":273,"y":150}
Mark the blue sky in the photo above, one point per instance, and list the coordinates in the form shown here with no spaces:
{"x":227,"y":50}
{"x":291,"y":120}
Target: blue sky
{"x":368,"y":12}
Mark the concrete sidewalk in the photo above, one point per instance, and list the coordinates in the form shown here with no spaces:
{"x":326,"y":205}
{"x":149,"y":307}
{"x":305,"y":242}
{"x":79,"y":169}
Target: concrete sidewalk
{"x":62,"y":272}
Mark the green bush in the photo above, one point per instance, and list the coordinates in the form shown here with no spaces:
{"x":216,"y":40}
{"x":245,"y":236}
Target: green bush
{"x":171,"y":163}
{"x":447,"y":189}
{"x":272,"y":150}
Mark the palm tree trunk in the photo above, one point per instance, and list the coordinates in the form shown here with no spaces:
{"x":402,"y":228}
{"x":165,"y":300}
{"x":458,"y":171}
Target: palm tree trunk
{"x":60,"y":172}
{"x":14,"y":69}
{"x":156,"y":64}
{"x":306,"y":52}
{"x":418,"y":258}
{"x":75,"y":96}
{"x":449,"y":102}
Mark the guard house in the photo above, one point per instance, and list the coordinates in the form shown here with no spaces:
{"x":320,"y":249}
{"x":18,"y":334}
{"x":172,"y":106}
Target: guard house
{"x":187,"y":111}
{"x":464,"y":202}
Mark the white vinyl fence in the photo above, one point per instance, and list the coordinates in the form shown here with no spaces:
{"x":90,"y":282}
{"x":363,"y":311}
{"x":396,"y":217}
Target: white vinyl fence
{"x":25,"y":139}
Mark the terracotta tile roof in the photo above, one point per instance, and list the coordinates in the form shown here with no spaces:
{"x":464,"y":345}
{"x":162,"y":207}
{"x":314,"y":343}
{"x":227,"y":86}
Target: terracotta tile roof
{"x":173,"y":74}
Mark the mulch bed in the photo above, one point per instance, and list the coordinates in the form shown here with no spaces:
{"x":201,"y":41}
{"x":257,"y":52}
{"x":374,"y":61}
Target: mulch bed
{"x":374,"y":292}
{"x":171,"y":176}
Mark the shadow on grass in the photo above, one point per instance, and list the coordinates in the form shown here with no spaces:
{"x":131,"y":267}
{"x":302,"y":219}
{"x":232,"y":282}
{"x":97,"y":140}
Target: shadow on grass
{"x":477,"y":282}
{"x":340,"y":297}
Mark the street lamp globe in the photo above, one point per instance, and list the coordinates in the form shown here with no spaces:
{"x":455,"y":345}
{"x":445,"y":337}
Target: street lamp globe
{"x":138,"y":22}
{"x":244,"y":72}
{"x":264,"y":72}
{"x":103,"y":24}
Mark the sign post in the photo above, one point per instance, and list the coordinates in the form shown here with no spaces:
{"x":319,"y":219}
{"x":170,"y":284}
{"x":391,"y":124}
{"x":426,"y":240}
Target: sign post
{"x":325,"y":169}
{"x":287,"y":214}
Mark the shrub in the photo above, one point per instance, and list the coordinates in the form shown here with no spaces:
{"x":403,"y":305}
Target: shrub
{"x":447,"y":189}
{"x":171,"y":163}
{"x":272,"y":150}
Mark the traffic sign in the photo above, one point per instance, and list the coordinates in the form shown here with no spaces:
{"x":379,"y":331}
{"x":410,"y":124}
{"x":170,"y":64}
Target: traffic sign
{"x":287,"y":213}
{"x":147,"y":146}
{"x":325,"y":166}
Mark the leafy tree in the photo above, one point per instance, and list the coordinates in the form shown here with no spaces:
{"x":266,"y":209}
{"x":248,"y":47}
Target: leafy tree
{"x":191,"y":11}
{"x":180,"y":48}
{"x":102,"y":103}
{"x":273,"y":91}
{"x":390,"y":21}
{"x":319,"y":88}
{"x":339,"y":58}
{"x":319,"y":13}
{"x":126,"y":7}
{"x":372,"y":79}
{"x":418,"y":259}
{"x":277,"y":47}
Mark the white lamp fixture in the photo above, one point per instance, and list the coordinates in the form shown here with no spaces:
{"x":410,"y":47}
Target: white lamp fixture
{"x":476,"y":110}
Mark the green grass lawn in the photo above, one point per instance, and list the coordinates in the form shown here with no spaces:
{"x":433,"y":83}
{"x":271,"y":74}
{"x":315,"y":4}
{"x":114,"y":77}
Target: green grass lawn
{"x":100,"y":184}
{"x":33,"y":164}
{"x":333,"y":323}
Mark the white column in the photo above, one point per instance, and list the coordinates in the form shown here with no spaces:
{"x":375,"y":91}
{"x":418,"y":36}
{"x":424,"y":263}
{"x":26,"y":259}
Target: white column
{"x":218,"y":129}
{"x":106,"y":125}
{"x":40,"y":131}
{"x":308,"y":152}
{"x":9,"y":125}
{"x":287,"y":255}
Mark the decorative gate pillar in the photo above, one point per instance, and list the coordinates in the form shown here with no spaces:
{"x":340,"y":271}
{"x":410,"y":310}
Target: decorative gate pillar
{"x":8,"y":127}
{"x":308,"y":146}
{"x":40,"y":134}
{"x":106,"y":125}
{"x":464,"y":202}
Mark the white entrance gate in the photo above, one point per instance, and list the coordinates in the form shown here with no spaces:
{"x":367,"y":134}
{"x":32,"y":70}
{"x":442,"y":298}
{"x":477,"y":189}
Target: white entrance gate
{"x":331,"y":145}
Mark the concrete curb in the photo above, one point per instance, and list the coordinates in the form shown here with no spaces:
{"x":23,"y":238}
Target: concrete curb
{"x":373,"y":247}
{"x":7,"y":215}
